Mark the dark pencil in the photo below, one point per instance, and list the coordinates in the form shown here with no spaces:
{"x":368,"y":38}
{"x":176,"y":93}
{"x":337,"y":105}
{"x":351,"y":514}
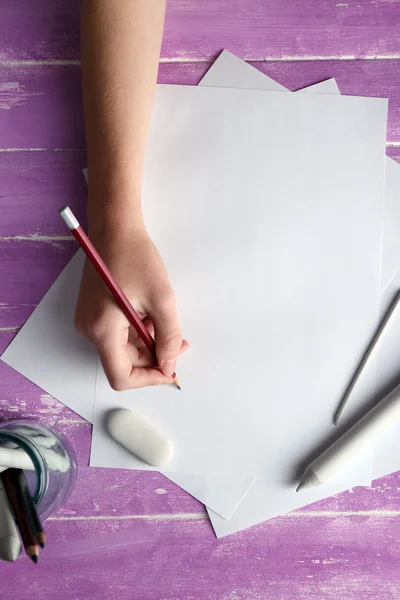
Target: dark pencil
{"x":21,"y":519}
{"x":73,"y":224}
{"x":28,"y":505}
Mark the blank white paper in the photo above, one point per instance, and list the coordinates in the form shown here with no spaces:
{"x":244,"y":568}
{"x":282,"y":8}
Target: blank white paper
{"x":229,"y":71}
{"x":266,"y":501}
{"x":386,"y":359}
{"x":293,"y":255}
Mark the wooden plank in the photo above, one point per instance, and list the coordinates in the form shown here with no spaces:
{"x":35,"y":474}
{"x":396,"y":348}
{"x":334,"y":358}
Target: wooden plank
{"x":34,"y":186}
{"x":28,"y":270}
{"x":321,"y":559}
{"x":199,"y":29}
{"x":41,"y":107}
{"x":394,"y":153}
{"x":53,"y":95}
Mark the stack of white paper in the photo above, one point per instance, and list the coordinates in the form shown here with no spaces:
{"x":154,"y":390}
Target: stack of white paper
{"x":271,"y":229}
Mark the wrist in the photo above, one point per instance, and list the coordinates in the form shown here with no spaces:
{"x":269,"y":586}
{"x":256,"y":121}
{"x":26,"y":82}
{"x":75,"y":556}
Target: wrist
{"x":113,"y":217}
{"x":114,"y":203}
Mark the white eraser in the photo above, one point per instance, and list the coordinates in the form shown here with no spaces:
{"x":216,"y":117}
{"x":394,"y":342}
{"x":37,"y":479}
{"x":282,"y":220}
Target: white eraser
{"x":140,"y":437}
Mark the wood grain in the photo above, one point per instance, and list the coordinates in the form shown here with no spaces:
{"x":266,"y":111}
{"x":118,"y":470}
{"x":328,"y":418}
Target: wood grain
{"x":53,"y":95}
{"x":313,"y":558}
{"x":199,"y":29}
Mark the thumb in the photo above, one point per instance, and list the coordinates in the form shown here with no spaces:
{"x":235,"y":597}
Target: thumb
{"x":167,"y":334}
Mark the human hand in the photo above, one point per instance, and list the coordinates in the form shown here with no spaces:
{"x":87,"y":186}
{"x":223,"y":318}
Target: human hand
{"x":137,"y":266}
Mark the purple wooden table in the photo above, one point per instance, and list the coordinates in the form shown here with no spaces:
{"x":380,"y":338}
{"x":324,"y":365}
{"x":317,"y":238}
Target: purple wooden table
{"x":131,"y":535}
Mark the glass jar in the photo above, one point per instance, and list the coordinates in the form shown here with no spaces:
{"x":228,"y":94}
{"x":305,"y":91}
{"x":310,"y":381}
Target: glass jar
{"x":47,"y":458}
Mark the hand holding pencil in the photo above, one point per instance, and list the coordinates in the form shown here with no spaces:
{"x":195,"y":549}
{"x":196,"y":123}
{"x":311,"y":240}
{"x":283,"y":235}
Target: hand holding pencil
{"x":138,"y":268}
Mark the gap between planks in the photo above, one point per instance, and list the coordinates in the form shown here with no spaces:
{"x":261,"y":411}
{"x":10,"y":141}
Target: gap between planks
{"x":203,"y":516}
{"x":294,"y":58}
{"x":388,"y":145}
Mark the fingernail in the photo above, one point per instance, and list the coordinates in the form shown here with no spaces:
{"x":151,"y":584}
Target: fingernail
{"x":168,"y":367}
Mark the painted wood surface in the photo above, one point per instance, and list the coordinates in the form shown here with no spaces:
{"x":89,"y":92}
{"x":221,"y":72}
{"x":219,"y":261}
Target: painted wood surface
{"x":198,"y":29}
{"x":131,"y":535}
{"x":52,"y":94}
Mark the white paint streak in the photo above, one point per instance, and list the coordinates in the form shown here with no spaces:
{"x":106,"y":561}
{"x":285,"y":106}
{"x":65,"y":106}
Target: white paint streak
{"x":166,"y":517}
{"x":332,"y":561}
{"x":52,"y":405}
{"x":53,"y":240}
{"x":200,"y":516}
{"x":13,"y":94}
{"x":345,"y":513}
{"x":388,"y":144}
{"x":41,"y":149}
{"x":38,"y":63}
{"x":9,"y":329}
{"x":294,"y":58}
{"x":184,"y":59}
{"x":23,"y":149}
{"x":160,"y":491}
{"x":72,"y":422}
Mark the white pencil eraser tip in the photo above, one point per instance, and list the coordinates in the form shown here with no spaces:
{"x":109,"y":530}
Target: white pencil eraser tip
{"x":10,"y":548}
{"x":140,"y":437}
{"x":69,"y":217}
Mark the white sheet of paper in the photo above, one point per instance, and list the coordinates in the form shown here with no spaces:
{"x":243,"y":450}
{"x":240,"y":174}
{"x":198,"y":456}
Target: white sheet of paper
{"x":387,"y":448}
{"x":222,"y":494}
{"x":387,"y":356}
{"x":21,"y":353}
{"x":266,"y":501}
{"x":314,"y":284}
{"x":229,"y":71}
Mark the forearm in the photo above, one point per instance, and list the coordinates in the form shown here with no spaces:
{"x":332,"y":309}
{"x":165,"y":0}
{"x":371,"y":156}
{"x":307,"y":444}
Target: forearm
{"x":120,"y":49}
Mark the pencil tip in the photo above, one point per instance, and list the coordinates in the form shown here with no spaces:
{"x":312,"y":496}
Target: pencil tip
{"x":35,"y":558}
{"x":176,"y":381}
{"x":309,"y":480}
{"x":41,"y":544}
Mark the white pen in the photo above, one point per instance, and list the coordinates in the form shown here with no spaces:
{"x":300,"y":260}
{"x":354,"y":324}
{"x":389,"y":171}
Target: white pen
{"x":372,"y":425}
{"x":368,"y":355}
{"x":19,"y":459}
{"x":10,"y":544}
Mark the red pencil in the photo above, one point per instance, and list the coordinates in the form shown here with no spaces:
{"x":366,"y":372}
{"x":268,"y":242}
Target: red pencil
{"x":123,"y":302}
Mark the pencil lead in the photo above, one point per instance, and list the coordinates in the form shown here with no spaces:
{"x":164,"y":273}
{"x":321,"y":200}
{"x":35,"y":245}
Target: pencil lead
{"x":337,"y":416}
{"x":176,"y":381}
{"x":35,"y":558}
{"x":41,"y":544}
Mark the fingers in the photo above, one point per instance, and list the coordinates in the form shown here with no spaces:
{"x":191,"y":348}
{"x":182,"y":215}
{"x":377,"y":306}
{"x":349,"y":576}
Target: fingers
{"x":169,"y":343}
{"x":125,"y":358}
{"x":126,"y":366}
